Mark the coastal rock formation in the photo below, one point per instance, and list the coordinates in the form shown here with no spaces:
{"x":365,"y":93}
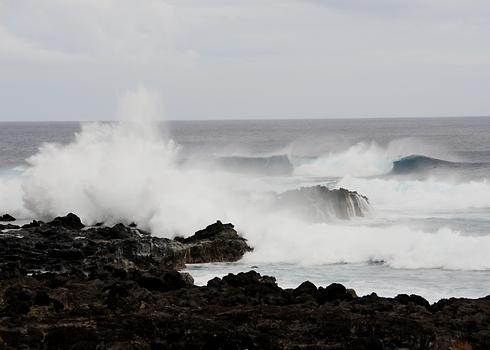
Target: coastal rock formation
{"x":67,"y":287}
{"x":217,"y":243}
{"x":64,"y":245}
{"x":115,"y":308}
{"x":320,"y":204}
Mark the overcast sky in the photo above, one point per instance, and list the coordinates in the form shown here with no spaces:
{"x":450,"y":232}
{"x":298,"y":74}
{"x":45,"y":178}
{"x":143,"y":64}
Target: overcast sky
{"x":238,"y":59}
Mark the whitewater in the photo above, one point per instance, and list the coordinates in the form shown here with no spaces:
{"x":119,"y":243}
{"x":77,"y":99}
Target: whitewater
{"x":426,"y":230}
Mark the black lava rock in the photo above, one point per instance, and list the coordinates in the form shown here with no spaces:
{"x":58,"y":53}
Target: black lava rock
{"x":6,"y":217}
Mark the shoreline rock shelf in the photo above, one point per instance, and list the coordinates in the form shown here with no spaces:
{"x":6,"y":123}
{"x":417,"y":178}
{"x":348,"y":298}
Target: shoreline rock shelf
{"x":66,"y":245}
{"x":321,"y":204}
{"x":64,"y":286}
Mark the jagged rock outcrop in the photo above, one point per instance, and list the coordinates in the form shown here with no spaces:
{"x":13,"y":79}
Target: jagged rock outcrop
{"x":320,"y":204}
{"x":6,"y":217}
{"x":65,"y":245}
{"x":127,"y":309}
{"x":69,"y":221}
{"x":117,"y":287}
{"x":218,"y":242}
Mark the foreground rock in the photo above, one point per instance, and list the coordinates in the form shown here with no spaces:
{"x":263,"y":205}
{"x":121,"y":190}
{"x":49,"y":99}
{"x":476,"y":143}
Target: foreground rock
{"x":9,"y":227}
{"x":63,"y":286}
{"x":127,"y":309}
{"x":66,"y":246}
{"x":216,"y":243}
{"x":320,"y":204}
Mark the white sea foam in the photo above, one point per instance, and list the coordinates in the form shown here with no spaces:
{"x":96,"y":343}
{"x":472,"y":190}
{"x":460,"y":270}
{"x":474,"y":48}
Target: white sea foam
{"x":421,"y":197}
{"x":365,"y":158}
{"x":289,"y":241}
{"x":128,"y":171}
{"x":123,"y":171}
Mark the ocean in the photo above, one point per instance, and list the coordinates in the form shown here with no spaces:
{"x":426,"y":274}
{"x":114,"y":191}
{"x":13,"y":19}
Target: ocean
{"x":427,"y":230}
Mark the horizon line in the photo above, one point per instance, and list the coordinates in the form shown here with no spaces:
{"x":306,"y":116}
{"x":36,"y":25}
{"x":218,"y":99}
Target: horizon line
{"x":248,"y":119}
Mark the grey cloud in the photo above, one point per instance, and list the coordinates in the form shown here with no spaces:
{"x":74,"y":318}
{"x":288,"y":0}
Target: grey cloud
{"x":248,"y":58}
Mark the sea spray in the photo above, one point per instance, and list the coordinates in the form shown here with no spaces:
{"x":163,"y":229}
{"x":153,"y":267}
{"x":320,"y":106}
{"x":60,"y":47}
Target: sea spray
{"x":124,"y":171}
{"x":11,"y":196}
{"x":285,"y":240}
{"x":421,"y":197}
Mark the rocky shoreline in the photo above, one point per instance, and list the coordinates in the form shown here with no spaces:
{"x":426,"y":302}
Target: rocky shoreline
{"x":66,"y":286}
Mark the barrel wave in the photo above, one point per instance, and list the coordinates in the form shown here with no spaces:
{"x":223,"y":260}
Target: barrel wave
{"x":423,"y":164}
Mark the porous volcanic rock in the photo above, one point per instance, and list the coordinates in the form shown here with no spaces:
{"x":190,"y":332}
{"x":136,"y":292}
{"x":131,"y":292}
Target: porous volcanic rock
{"x":114,"y":308}
{"x":218,"y":243}
{"x":117,"y":287}
{"x":64,"y":245}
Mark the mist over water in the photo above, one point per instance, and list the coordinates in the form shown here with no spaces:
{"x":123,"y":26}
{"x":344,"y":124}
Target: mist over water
{"x":133,"y":171}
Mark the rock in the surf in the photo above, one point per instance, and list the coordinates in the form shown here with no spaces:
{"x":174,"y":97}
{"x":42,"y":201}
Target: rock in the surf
{"x":320,"y":204}
{"x":218,"y":242}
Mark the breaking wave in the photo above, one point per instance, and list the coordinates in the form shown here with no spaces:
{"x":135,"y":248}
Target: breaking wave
{"x":423,"y":164}
{"x":423,"y":197}
{"x":370,"y":159}
{"x":361,"y":159}
{"x":397,"y":246}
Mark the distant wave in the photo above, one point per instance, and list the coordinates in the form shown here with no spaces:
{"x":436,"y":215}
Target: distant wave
{"x":422,"y":164}
{"x":361,"y":159}
{"x":271,"y":165}
{"x":333,"y":165}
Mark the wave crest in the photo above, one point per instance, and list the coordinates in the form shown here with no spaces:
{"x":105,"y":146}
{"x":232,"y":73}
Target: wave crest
{"x":361,"y":159}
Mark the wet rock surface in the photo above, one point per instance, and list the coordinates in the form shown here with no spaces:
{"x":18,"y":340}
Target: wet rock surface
{"x":119,"y":288}
{"x":65,"y":245}
{"x":218,"y":243}
{"x":321,"y":204}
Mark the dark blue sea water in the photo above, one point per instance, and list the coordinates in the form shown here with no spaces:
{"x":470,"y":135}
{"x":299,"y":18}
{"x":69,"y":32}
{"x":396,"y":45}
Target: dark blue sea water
{"x":461,"y":139}
{"x":428,"y":230}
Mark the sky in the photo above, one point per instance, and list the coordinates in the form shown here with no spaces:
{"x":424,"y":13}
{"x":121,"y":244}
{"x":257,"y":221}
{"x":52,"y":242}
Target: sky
{"x":241,"y":59}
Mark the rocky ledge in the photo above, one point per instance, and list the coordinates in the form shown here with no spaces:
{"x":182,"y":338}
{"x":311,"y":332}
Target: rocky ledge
{"x":63,"y":286}
{"x":65,"y":245}
{"x":321,"y":204}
